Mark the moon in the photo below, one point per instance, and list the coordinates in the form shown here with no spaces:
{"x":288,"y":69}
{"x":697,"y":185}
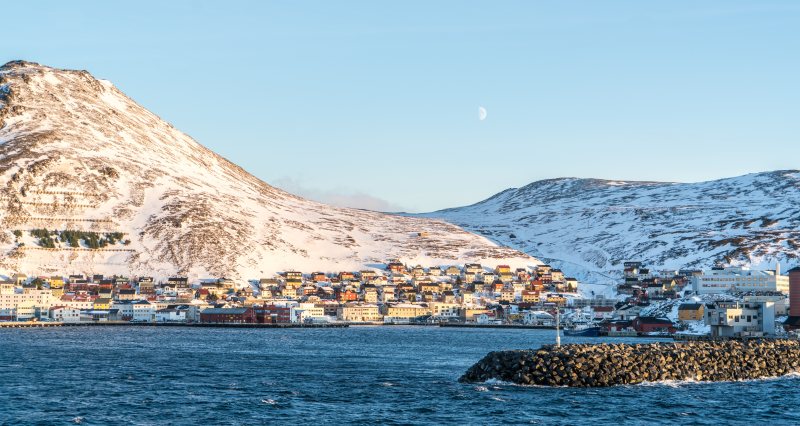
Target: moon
{"x":481,"y":113}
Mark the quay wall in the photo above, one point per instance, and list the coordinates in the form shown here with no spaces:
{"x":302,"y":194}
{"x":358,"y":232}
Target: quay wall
{"x":600,"y":365}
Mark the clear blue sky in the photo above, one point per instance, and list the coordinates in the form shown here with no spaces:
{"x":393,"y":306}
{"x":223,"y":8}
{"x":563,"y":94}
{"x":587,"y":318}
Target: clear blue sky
{"x":375,"y":103}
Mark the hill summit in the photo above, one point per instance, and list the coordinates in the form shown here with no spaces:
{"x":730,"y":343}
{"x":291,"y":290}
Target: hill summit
{"x":91,"y":182}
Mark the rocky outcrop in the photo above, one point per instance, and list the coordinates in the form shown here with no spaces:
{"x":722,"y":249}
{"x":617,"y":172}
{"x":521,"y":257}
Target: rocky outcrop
{"x":585,"y":365}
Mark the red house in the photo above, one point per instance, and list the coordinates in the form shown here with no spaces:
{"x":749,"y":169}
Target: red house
{"x":537,"y":285}
{"x":346,"y":276}
{"x":652,"y":325}
{"x":396,"y":267}
{"x":228,"y":316}
{"x":348,"y":296}
{"x":319,"y":276}
{"x":272,"y":314}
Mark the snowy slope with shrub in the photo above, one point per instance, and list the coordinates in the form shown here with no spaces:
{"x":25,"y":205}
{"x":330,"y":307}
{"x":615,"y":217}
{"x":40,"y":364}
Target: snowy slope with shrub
{"x":78,"y":155}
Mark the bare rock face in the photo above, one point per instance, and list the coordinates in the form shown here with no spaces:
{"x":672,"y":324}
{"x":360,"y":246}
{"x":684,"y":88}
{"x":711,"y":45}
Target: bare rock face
{"x":589,"y":227}
{"x":76,"y":154}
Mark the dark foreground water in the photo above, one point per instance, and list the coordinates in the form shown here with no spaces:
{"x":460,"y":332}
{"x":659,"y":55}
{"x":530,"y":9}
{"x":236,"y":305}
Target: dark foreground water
{"x":363,"y":375}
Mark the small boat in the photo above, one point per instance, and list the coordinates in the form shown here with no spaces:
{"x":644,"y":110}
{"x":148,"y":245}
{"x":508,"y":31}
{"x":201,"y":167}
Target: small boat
{"x":583,"y":330}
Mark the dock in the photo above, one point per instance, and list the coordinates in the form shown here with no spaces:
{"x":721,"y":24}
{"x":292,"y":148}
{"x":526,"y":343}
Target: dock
{"x":30,"y":324}
{"x":511,"y":326}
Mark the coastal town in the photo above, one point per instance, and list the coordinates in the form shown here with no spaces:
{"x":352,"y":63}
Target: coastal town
{"x":721,"y":302}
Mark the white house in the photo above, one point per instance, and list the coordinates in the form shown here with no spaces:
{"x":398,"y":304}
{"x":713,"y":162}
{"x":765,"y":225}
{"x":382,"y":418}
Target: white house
{"x":65,"y":314}
{"x":307,"y":312}
{"x":538,"y":318}
{"x":733,"y":319}
{"x":445,"y":310}
{"x":143,"y":311}
{"x":171,"y":315}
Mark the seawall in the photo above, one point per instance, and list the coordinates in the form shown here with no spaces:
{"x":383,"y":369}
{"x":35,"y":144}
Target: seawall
{"x":587,"y":365}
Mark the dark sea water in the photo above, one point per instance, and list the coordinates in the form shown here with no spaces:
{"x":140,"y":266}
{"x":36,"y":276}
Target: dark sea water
{"x":358,"y":375}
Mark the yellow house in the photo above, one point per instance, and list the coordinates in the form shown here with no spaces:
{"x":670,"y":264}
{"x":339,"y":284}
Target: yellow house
{"x":56,"y":282}
{"x":471,"y":314}
{"x":691,"y":312}
{"x":406,"y":311}
{"x":359,"y":313}
{"x":429,"y":288}
{"x":504,"y":272}
{"x":102,"y":304}
{"x":558,"y":300}
{"x":530,"y":296}
{"x":20,"y":278}
{"x":371,"y":296}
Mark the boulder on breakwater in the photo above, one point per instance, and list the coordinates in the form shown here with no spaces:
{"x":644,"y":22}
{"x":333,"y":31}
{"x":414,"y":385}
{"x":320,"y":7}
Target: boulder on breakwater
{"x":588,"y":365}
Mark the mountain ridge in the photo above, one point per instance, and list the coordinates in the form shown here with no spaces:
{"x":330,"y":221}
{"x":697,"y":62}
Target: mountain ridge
{"x":590,"y":226}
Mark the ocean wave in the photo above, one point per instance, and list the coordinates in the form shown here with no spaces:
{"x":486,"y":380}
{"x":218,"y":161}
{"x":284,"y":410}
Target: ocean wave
{"x":499,"y":382}
{"x":685,"y":382}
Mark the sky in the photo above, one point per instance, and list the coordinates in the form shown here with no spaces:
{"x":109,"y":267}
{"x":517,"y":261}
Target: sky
{"x":375,"y":104}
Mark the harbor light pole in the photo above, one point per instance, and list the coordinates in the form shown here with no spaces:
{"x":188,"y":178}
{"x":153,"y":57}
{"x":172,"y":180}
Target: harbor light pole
{"x":558,"y":326}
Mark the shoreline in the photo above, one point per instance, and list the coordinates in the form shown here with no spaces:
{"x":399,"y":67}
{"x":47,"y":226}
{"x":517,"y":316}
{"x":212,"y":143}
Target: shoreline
{"x":38,"y":324}
{"x":163,"y":324}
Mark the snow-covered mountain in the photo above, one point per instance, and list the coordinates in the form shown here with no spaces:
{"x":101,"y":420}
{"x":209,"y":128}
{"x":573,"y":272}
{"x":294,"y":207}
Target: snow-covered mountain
{"x":138,"y":196}
{"x":588,"y":227}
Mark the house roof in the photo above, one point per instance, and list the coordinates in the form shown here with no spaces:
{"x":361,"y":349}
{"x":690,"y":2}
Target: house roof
{"x":689,"y":306}
{"x":654,"y":320}
{"x":795,"y":269}
{"x":225,"y":311}
{"x":792,"y":321}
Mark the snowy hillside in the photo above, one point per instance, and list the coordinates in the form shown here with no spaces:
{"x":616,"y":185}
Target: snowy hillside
{"x":588,"y":227}
{"x":122,"y":191}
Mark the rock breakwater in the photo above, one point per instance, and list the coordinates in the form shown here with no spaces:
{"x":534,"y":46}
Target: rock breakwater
{"x":588,"y":365}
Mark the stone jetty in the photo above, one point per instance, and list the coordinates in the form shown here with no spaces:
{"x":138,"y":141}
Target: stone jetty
{"x":588,"y":365}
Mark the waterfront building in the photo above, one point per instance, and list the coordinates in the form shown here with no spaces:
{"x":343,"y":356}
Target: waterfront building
{"x":27,"y":304}
{"x":652,"y":325}
{"x":228,"y":316}
{"x":65,"y":314}
{"x":171,"y":315}
{"x":357,"y":312}
{"x":541,"y":318}
{"x":442,"y":310}
{"x":143,"y":311}
{"x":275,"y":313}
{"x":307,"y":312}
{"x":403,"y":313}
